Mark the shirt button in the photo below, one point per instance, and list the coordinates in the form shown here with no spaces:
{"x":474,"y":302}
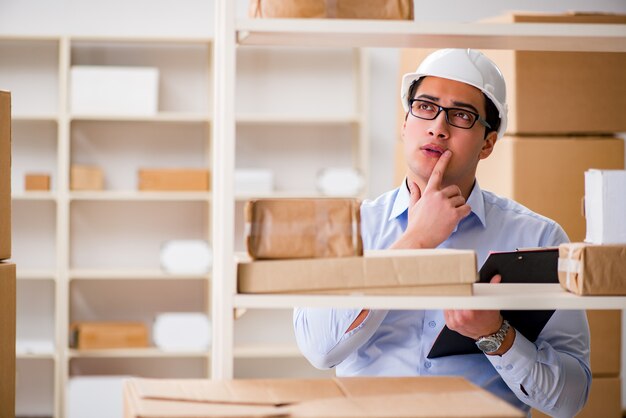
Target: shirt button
{"x":509,"y":367}
{"x":427,"y":364}
{"x":432,"y":324}
{"x":498,"y":367}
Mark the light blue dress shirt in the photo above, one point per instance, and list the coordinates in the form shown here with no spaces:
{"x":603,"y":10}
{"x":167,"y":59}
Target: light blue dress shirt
{"x":551,"y":374}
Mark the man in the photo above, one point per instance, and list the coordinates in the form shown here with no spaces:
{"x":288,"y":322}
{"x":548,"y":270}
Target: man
{"x":456,"y":112}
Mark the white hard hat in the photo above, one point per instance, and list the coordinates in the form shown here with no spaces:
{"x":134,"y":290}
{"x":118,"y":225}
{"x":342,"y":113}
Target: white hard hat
{"x":467,"y":66}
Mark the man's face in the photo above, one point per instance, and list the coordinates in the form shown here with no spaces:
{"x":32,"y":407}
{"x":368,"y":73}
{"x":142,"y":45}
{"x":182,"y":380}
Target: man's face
{"x":425,"y":140}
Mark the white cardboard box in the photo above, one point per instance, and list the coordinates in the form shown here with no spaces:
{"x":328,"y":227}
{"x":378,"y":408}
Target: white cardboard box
{"x":254,"y":181}
{"x":605,"y":206}
{"x":114,"y":90}
{"x":95,"y":396}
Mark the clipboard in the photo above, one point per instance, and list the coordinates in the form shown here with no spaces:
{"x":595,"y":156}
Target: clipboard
{"x":537,"y":265}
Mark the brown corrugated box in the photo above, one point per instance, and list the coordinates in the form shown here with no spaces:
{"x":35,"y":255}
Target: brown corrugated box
{"x":551,"y":92}
{"x":174,"y":179}
{"x":420,"y":272}
{"x":5,"y":175}
{"x":342,"y":9}
{"x":605,"y":327}
{"x":547,"y":174}
{"x":605,"y":400}
{"x":86,"y":177}
{"x":587,"y":269}
{"x":329,"y":398}
{"x":303,"y":228}
{"x":36,"y":182}
{"x":7,"y":339}
{"x":101,"y":335}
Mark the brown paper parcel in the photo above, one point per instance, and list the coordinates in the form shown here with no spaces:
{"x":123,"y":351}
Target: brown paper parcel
{"x":303,"y":228}
{"x":342,"y":9}
{"x":344,"y":397}
{"x":587,"y":269}
{"x":424,"y":272}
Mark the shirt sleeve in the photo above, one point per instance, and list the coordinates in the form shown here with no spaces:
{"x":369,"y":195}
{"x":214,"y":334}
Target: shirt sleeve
{"x":321,"y":333}
{"x":552,"y":374}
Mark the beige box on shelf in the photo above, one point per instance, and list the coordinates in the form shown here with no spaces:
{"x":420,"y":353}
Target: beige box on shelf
{"x":547,"y":174}
{"x":36,"y":182}
{"x":86,"y":177}
{"x":7,"y":339}
{"x":606,"y":342}
{"x":422,"y":272}
{"x":174,"y":179}
{"x":303,"y":228}
{"x":605,"y":400}
{"x":5,"y":175}
{"x":102,"y":335}
{"x":587,"y":269}
{"x":342,"y":9}
{"x":377,"y":397}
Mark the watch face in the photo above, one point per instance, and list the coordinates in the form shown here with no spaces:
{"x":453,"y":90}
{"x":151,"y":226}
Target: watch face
{"x":488,"y":345}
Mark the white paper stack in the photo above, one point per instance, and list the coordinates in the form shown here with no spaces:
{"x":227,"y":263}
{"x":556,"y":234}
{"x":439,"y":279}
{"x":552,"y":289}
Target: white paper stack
{"x":182,"y":331}
{"x":340,"y":182}
{"x":254,"y":181}
{"x":605,"y":206}
{"x":114,"y":90}
{"x":95,"y":396}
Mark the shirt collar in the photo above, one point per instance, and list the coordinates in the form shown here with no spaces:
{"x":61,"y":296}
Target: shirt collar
{"x":475,"y":200}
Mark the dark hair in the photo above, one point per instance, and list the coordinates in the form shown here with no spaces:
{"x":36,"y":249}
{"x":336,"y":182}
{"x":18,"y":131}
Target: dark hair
{"x":492,"y":118}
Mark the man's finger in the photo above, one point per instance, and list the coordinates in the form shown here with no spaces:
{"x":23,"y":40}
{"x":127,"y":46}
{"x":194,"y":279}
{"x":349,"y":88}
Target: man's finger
{"x":414,"y":192}
{"x":496,"y":279}
{"x":434,"y":182}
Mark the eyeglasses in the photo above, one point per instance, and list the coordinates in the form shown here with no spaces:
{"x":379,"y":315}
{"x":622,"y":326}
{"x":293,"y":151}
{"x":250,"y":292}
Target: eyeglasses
{"x":460,"y":118}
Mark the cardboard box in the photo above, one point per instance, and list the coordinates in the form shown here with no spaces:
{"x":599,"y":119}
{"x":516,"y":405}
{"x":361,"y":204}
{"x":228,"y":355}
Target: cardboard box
{"x":587,"y":269}
{"x":561,"y":83}
{"x":98,"y":335}
{"x":546,"y":174}
{"x":95,"y":396}
{"x":549,"y":92}
{"x":605,"y":206}
{"x":36,"y":182}
{"x":86,"y":177}
{"x":114,"y":90}
{"x":606,"y":342}
{"x":254,"y":181}
{"x":5,"y":175}
{"x":330,"y":398}
{"x":174,"y":179}
{"x":7,"y":339}
{"x":604,"y":401}
{"x":421,"y":272}
{"x":303,"y":228}
{"x":342,"y":9}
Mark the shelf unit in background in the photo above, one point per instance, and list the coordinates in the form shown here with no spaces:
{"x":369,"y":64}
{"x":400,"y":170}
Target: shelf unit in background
{"x":233,"y":35}
{"x":94,"y":255}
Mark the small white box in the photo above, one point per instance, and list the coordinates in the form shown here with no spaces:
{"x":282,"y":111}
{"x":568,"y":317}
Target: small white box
{"x":186,"y":256}
{"x":182,"y":331}
{"x":254,"y":181}
{"x":95,"y":396}
{"x":605,"y":206}
{"x":114,"y":90}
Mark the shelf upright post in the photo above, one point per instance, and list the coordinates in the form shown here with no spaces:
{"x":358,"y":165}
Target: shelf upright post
{"x":62,"y":286}
{"x":222,"y":215}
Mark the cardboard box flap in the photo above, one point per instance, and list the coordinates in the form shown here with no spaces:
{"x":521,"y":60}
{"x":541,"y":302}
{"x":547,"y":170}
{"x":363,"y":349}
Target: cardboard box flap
{"x":468,"y":403}
{"x":158,"y":407}
{"x":271,"y":392}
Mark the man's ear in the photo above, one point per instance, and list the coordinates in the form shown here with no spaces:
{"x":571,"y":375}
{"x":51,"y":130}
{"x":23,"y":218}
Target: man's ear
{"x":488,"y":144}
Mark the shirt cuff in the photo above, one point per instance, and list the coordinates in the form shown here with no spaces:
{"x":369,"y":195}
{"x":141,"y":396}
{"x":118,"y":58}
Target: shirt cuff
{"x":518,"y":360}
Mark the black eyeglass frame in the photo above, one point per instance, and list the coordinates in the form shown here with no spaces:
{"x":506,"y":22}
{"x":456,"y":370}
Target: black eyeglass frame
{"x":447,"y":109}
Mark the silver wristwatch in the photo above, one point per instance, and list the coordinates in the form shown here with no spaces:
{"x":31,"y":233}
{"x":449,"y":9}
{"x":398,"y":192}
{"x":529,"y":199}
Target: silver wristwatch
{"x":492,"y":343}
